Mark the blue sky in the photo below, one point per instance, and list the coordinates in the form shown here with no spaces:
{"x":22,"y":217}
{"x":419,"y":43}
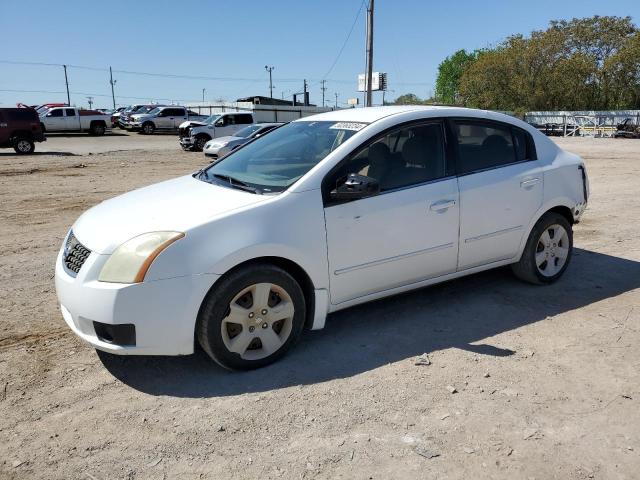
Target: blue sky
{"x":236,"y":39}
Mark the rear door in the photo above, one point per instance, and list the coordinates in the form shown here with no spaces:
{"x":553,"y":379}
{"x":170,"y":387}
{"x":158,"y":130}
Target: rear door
{"x":4,"y":128}
{"x":241,"y":120}
{"x":501,"y":189}
{"x":71,"y":120}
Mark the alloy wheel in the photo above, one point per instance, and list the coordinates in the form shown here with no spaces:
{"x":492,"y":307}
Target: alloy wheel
{"x":24,"y":146}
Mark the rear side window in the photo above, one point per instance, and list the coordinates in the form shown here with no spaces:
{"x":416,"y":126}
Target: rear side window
{"x":71,"y":112}
{"x":243,"y":119}
{"x":21,"y":115}
{"x":482,"y":146}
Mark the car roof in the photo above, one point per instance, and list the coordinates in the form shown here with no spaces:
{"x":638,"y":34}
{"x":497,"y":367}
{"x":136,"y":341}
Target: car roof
{"x":372,"y":114}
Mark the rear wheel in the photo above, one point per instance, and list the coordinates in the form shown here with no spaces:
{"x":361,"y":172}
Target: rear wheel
{"x":98,"y":129}
{"x":24,"y":146}
{"x":548,"y":250}
{"x":252,"y":318}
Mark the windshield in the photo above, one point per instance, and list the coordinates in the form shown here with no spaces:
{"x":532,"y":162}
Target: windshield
{"x":247,"y":131}
{"x":212,"y":119}
{"x":273,"y":163}
{"x":153,"y":111}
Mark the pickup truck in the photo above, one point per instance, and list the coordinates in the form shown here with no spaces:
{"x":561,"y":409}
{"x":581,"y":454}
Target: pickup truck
{"x":194,"y":135}
{"x":69,"y":119}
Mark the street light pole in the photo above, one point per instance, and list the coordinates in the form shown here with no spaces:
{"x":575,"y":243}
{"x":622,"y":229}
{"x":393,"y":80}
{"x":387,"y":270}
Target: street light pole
{"x":270,"y":69}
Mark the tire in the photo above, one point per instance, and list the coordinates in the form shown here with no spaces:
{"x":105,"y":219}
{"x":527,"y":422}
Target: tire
{"x":548,"y":251}
{"x":97,"y":129}
{"x":201,"y":140}
{"x":148,"y":128}
{"x":24,"y":146}
{"x":220,"y":329}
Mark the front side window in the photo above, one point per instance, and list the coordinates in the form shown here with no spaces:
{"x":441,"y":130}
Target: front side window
{"x":55,"y":113}
{"x":482,"y":146}
{"x":273,"y":163}
{"x":407,"y":156}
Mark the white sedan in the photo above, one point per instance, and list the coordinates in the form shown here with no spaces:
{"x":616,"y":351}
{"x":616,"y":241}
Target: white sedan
{"x":324,"y":213}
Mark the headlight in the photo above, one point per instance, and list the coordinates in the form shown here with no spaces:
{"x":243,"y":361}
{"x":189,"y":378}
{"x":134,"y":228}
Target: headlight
{"x":131,"y":260}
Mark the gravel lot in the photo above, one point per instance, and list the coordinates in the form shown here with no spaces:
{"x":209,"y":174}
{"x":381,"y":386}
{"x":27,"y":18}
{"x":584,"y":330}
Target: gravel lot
{"x":546,"y":378}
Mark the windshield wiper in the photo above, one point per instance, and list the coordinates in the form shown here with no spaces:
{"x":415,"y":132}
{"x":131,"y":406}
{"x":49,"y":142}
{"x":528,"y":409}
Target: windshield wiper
{"x":235,"y":183}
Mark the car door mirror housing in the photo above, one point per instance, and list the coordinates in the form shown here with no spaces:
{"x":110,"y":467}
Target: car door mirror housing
{"x":355,"y":187}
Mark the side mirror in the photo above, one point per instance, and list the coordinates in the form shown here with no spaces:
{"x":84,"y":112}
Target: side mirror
{"x":355,"y":187}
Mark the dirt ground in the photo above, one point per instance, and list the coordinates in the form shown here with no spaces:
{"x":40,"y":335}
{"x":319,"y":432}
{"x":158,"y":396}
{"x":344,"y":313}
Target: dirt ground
{"x":546,"y":378}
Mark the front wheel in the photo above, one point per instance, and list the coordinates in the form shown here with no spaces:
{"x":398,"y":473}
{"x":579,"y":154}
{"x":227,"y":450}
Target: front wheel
{"x":252,"y":318}
{"x":24,"y":146}
{"x":200,"y":142}
{"x":548,"y":250}
{"x":148,"y":128}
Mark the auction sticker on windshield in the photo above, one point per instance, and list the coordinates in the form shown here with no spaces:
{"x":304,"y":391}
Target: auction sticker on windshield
{"x":348,"y":126}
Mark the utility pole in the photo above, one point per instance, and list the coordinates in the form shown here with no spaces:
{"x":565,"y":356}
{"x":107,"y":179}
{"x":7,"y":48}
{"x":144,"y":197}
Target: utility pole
{"x":66,"y":80}
{"x":90,"y":101}
{"x":112,"y":82}
{"x":324,"y":89}
{"x":336,"y":94}
{"x":369,"y":63}
{"x":203,"y":90}
{"x":270,"y":69}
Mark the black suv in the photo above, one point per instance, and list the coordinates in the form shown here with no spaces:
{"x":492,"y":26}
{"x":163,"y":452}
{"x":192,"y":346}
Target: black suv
{"x":19,"y":129}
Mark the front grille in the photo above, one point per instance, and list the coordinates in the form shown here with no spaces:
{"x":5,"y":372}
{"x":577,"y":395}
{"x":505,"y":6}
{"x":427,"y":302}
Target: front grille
{"x":75,"y":254}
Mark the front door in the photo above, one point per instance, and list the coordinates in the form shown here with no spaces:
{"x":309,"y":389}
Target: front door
{"x":501,"y":189}
{"x":55,"y":120}
{"x":406,"y":233}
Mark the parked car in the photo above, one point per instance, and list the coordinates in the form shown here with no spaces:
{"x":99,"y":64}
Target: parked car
{"x":19,"y":129}
{"x":70,"y":119}
{"x":324,"y":213}
{"x":219,"y":147}
{"x":165,"y":119}
{"x":194,"y":134}
{"x":115,"y":115}
{"x":627,"y":129}
{"x":124,"y":119}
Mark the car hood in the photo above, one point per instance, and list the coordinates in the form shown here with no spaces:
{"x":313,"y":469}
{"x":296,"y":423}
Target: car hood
{"x":224,"y":140}
{"x":174,"y":205}
{"x":139,"y":116}
{"x":192,"y":123}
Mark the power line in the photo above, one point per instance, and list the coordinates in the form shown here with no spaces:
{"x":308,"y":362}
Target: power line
{"x":194,"y":77}
{"x":344,"y":44}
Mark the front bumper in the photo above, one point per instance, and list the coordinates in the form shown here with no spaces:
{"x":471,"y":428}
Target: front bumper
{"x":163,"y":312}
{"x":133,"y":126}
{"x":187,"y":143}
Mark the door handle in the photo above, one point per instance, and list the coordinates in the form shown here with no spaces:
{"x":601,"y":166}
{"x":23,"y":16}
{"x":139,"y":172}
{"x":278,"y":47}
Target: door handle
{"x":529,"y":182}
{"x":442,"y":205}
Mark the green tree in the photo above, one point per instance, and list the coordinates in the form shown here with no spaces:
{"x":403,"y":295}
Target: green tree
{"x":449,"y":74}
{"x":581,"y":64}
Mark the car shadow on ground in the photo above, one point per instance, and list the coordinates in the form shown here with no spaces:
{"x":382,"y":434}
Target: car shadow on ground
{"x":50,"y":154}
{"x":458,"y":314}
{"x":84,"y":134}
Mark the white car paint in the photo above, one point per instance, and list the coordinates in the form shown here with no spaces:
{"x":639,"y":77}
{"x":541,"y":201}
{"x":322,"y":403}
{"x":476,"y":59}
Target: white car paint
{"x":352,"y":253}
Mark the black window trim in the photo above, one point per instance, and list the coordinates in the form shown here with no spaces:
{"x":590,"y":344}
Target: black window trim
{"x":450,"y":159}
{"x":531,"y":145}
